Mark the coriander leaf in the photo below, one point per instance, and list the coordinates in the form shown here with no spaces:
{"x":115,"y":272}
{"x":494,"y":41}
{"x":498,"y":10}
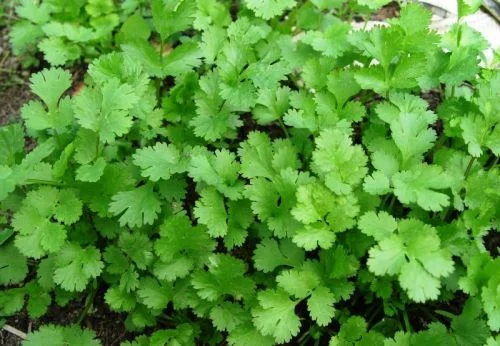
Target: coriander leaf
{"x":170,"y":16}
{"x":219,"y":169}
{"x":119,"y":300}
{"x":13,"y":265}
{"x":320,"y":305}
{"x":414,"y":253}
{"x":106,"y":109}
{"x":271,"y":104}
{"x":340,"y":163}
{"x":225,"y":276}
{"x":419,"y":185}
{"x":323,"y":214}
{"x":240,"y":219}
{"x":373,"y":4}
{"x":57,"y":51}
{"x":247,"y":335}
{"x":181,"y":248}
{"x":378,"y":226}
{"x":76,"y":266}
{"x":138,"y":248}
{"x":210,"y":210}
{"x":137,"y":207}
{"x":227,"y":316}
{"x":60,"y":336}
{"x":91,"y":172}
{"x":333,"y":42}
{"x":42,"y":218}
{"x":214,"y":119}
{"x":268,"y":9}
{"x":311,"y":236}
{"x":50,"y":85}
{"x":261,"y":158}
{"x":117,"y":177}
{"x":298,"y":282}
{"x":160,"y":161}
{"x":153,"y":294}
{"x":275,"y":315}
{"x":272,"y":200}
{"x":11,"y":143}
{"x":271,"y":254}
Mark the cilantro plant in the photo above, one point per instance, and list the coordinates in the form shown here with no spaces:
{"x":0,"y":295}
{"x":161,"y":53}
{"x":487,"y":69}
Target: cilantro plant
{"x":64,"y":31}
{"x":256,"y":174}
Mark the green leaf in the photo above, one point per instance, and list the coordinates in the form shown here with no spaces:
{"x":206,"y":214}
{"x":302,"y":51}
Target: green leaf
{"x":60,"y":336}
{"x":153,"y":294}
{"x":419,"y":185}
{"x":271,"y":254}
{"x":468,"y":7}
{"x":415,"y":254}
{"x":225,"y":276}
{"x":106,"y":109}
{"x":333,"y":42}
{"x":378,"y":226}
{"x":268,"y":9}
{"x":11,"y":143}
{"x":76,"y":266}
{"x":137,"y":207}
{"x":298,"y":282}
{"x":210,"y":211}
{"x":160,"y":161}
{"x":41,"y":220}
{"x":50,"y":84}
{"x":214,"y":119}
{"x":56,"y":51}
{"x":275,"y":315}
{"x":218,"y":169}
{"x":170,"y":16}
{"x":320,"y":305}
{"x":13,"y":265}
{"x":340,"y":163}
{"x":91,"y":172}
{"x":227,"y":316}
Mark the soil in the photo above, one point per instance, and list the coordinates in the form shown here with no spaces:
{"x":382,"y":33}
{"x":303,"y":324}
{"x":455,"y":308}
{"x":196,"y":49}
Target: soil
{"x":14,"y":87}
{"x":109,"y":326}
{"x":390,"y":10}
{"x":492,"y":242}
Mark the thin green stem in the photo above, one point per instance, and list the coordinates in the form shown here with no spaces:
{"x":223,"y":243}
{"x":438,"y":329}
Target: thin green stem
{"x":391,"y":203}
{"x":374,"y":314}
{"x":469,"y":166}
{"x":88,"y":302}
{"x":43,"y":182}
{"x":495,"y":162}
{"x":97,"y":146}
{"x":304,"y":337}
{"x":445,"y":314}
{"x":161,"y":50}
{"x":444,"y":214}
{"x":283,"y":127}
{"x":407,"y":322}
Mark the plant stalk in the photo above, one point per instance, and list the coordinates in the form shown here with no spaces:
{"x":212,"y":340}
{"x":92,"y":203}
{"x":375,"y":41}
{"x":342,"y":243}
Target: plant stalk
{"x":89,"y":301}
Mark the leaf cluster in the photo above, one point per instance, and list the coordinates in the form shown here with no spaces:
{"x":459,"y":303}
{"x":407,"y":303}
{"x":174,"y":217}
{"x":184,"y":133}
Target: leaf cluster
{"x":254,"y":175}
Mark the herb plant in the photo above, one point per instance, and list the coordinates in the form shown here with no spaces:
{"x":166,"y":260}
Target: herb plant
{"x":264,"y":174}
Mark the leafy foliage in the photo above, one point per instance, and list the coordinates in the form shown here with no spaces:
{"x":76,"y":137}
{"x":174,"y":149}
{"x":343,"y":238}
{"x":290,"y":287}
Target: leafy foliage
{"x":254,"y":174}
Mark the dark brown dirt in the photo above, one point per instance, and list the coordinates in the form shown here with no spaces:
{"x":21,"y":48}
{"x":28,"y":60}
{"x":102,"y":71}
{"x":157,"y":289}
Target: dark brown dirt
{"x":492,"y":242}
{"x":14,"y":88}
{"x":108,"y":325}
{"x":390,"y":10}
{"x":433,"y":98}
